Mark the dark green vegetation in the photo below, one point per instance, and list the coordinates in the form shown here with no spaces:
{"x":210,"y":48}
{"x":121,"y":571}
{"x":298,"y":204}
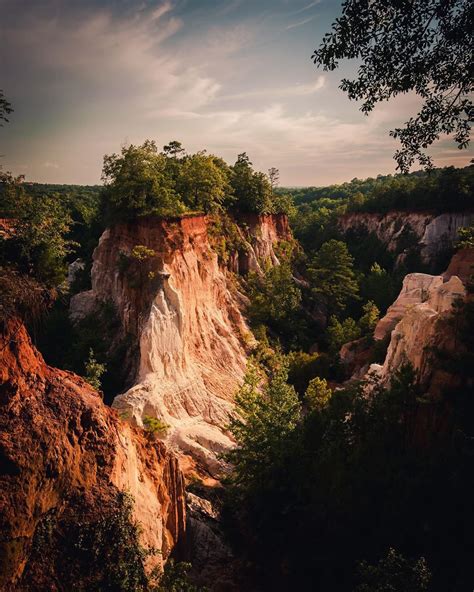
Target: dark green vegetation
{"x":437,"y":191}
{"x":324,"y":489}
{"x":419,"y":46}
{"x":142,"y":181}
{"x":101,"y":552}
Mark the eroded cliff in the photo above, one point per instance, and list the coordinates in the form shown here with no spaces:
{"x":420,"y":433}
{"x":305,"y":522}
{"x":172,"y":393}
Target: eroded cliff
{"x":420,"y":324}
{"x":182,"y":308}
{"x":430,"y":234}
{"x":63,"y":453}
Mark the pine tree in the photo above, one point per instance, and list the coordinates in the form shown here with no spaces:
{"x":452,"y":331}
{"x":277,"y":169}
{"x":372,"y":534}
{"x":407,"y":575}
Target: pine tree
{"x":332,"y":276}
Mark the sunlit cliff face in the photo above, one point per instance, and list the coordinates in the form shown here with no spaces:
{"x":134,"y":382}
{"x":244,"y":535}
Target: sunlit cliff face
{"x":192,"y":340}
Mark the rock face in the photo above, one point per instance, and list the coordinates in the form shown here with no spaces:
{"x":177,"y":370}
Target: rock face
{"x":433,"y":233}
{"x":61,"y":448}
{"x":415,"y":290}
{"x":183,"y":311}
{"x":419,"y":323}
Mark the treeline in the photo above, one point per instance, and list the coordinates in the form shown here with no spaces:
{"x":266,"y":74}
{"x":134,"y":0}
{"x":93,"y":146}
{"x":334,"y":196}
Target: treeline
{"x":142,"y":181}
{"x":438,"y":190}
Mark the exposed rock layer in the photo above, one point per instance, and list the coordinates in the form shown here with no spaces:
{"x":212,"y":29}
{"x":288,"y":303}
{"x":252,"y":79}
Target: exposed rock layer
{"x":433,"y":233}
{"x":183,"y":310}
{"x":419,"y":325}
{"x":59,"y":444}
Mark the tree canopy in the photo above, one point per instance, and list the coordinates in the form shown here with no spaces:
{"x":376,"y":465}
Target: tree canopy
{"x":332,"y":276}
{"x":142,"y":181}
{"x":423,"y":46}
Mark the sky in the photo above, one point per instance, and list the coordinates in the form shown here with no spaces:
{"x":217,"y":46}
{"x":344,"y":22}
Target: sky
{"x":87,"y":77}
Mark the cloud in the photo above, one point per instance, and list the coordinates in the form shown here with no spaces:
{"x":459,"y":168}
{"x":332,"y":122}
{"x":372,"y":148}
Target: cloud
{"x":307,"y":7}
{"x":50,"y":165}
{"x":297,"y":90}
{"x":299,"y":23}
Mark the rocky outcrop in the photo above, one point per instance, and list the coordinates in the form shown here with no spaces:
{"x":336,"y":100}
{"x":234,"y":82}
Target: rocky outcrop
{"x":415,"y":290}
{"x":419,"y":325}
{"x":432,"y":233}
{"x":63,"y":451}
{"x":260,"y":233}
{"x":182,"y":309}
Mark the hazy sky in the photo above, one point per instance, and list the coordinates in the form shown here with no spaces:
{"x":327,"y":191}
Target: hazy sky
{"x":87,"y":76}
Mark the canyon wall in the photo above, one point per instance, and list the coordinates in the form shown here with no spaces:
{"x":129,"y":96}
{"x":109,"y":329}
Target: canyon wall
{"x":419,"y":323}
{"x":64,"y":453}
{"x":183,"y":309}
{"x":432,"y":233}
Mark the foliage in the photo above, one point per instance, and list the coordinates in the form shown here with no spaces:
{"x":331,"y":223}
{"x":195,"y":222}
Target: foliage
{"x":466,"y":238}
{"x":225,"y":236}
{"x":112,"y":551}
{"x":5,"y":108}
{"x":67,"y":345}
{"x":252,"y":190}
{"x":394,"y":573}
{"x":203,"y":184}
{"x":339,"y":333}
{"x":94,"y":370}
{"x":268,"y":415}
{"x":441,"y":190}
{"x":317,"y":394}
{"x":332,"y":276}
{"x":155,"y":426}
{"x":378,"y":286}
{"x":36,"y":243}
{"x":175,"y":579}
{"x":137,"y":184}
{"x":422,"y":46}
{"x":142,"y":253}
{"x":357,"y":475}
{"x":370,"y":318}
{"x":274,"y":296}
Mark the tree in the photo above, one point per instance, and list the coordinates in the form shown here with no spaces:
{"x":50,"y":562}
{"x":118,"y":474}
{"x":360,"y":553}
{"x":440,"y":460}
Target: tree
{"x":5,"y":108}
{"x":267,"y":416}
{"x":137,"y":183}
{"x":38,"y":243}
{"x":423,"y":46}
{"x":378,"y":286}
{"x":370,"y":317}
{"x":274,"y":177}
{"x":252,"y":190}
{"x":202,"y":183}
{"x":274,"y":297}
{"x":318,"y":394}
{"x":332,"y":276}
{"x":174,"y":149}
{"x":341,"y":333}
{"x":94,"y":371}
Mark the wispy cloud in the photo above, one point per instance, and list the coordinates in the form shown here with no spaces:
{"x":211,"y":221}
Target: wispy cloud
{"x":297,"y":90}
{"x":305,"y":8}
{"x":299,"y":23}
